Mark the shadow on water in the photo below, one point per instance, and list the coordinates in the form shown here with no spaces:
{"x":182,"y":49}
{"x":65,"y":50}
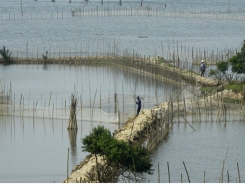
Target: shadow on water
{"x":73,"y":141}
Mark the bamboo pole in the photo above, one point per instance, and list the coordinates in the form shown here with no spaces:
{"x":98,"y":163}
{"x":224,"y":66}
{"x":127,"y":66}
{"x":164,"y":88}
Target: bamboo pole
{"x":168,"y":174}
{"x":186,"y":172}
{"x":228,"y":177}
{"x":239,"y":178}
{"x":158,"y":168}
{"x":49,"y":99}
{"x":67,"y":170}
{"x":188,"y":123}
{"x":93,"y":103}
{"x":204,"y":177}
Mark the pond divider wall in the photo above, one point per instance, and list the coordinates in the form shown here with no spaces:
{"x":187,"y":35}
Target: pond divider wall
{"x":148,"y":129}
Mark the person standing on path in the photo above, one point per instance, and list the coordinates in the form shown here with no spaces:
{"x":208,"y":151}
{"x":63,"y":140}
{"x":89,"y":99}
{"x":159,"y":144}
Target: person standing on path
{"x":202,"y":68}
{"x":138,"y":102}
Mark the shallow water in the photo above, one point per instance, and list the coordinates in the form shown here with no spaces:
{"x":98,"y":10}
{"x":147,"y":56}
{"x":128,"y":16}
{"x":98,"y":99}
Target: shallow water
{"x":36,"y":151}
{"x":83,"y":36}
{"x":203,"y":150}
{"x":34,"y":148}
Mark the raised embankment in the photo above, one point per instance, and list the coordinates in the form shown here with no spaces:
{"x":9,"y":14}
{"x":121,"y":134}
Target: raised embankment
{"x":136,"y":130}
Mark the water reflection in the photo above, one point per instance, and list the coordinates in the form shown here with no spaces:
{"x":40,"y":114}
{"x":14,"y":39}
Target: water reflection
{"x":72,"y":132}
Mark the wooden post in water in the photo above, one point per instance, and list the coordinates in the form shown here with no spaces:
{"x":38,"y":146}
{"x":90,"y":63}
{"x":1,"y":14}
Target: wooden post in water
{"x":73,"y":108}
{"x":158,"y":167}
{"x":23,"y":107}
{"x":186,"y":172}
{"x":65,"y":107}
{"x":238,"y":173}
{"x":44,"y":108}
{"x":67,"y":164}
{"x":49,"y":99}
{"x":93,"y":104}
{"x":168,"y":174}
{"x":204,"y":177}
{"x":53,"y":111}
{"x":228,"y":177}
{"x":33,"y":111}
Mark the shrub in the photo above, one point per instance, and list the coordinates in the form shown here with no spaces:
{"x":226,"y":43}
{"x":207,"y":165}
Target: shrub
{"x":6,"y":54}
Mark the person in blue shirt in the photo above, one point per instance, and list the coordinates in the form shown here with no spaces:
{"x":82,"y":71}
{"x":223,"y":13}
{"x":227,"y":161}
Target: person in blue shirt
{"x":138,"y":102}
{"x":202,"y":68}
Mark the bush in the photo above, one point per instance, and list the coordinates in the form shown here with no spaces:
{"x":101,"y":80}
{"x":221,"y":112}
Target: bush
{"x":238,"y":61}
{"x":6,"y":55}
{"x":118,"y":154}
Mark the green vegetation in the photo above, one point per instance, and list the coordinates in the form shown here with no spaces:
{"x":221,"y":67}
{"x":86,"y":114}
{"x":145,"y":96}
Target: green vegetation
{"x":235,"y":87}
{"x":120,"y":159}
{"x":6,"y":54}
{"x":220,"y":73}
{"x":205,"y":90}
{"x":238,"y":61}
{"x":237,"y":64}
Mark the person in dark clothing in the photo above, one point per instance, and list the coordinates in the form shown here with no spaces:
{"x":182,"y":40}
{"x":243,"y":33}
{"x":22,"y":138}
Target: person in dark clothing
{"x":202,"y":68}
{"x":138,"y":102}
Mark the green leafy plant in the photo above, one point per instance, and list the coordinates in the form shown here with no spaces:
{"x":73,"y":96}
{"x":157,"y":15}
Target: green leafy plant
{"x":6,"y":54}
{"x":238,"y":61}
{"x":119,"y":157}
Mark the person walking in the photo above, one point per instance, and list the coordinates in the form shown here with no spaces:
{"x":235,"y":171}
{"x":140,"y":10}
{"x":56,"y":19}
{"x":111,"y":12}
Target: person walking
{"x":202,"y":68}
{"x":138,"y":102}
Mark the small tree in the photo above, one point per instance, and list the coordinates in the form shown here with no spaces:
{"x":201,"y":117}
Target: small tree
{"x":237,"y":67}
{"x":120,"y":158}
{"x":220,"y":73}
{"x":6,"y":54}
{"x":238,"y":61}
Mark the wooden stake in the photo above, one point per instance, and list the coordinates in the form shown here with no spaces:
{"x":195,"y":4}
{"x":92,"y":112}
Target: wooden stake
{"x":168,"y":174}
{"x":186,"y":172}
{"x":238,"y":173}
{"x":67,"y":163}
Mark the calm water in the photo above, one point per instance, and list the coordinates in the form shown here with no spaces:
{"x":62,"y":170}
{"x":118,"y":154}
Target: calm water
{"x":202,"y":150}
{"x":35,"y":150}
{"x":33,"y":37}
